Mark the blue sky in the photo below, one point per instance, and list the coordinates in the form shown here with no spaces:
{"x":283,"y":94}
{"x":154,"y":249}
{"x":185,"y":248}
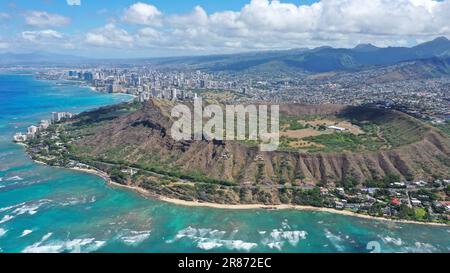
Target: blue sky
{"x":99,"y":11}
{"x":130,"y":28}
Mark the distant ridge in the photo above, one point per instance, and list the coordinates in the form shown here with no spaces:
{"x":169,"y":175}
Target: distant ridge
{"x":365,"y":48}
{"x":317,"y":60}
{"x":39,"y":58}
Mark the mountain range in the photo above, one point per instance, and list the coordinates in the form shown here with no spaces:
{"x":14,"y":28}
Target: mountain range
{"x":322,"y":59}
{"x":39,"y":58}
{"x":317,"y":60}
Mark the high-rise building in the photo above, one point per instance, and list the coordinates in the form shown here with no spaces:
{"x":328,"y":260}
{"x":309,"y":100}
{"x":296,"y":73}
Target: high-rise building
{"x":58,"y":116}
{"x":44,"y":124}
{"x":87,"y":76}
{"x":174,"y":94}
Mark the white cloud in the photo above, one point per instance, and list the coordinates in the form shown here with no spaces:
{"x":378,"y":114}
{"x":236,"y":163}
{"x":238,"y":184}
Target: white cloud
{"x":265,"y":24}
{"x":142,"y":14}
{"x":198,"y":17}
{"x":74,"y":2}
{"x":4,"y":45}
{"x":109,"y":36}
{"x":42,"y":36}
{"x":4,"y":16}
{"x":45,"y":19}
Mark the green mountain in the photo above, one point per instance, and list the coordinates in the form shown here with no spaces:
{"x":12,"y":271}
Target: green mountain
{"x":322,"y":59}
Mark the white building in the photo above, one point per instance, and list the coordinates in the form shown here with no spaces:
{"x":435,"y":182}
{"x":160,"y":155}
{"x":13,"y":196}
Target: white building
{"x":144,"y":96}
{"x":19,"y":137}
{"x":336,"y":128}
{"x":421,"y":183}
{"x":174,"y":94}
{"x":44,"y":124}
{"x":58,"y":116}
{"x":32,"y":130}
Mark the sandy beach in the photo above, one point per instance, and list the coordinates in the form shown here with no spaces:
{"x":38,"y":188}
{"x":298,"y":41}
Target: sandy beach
{"x":180,"y":202}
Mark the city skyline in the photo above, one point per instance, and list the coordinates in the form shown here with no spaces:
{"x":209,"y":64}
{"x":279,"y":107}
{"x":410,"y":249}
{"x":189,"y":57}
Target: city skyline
{"x":131,"y":29}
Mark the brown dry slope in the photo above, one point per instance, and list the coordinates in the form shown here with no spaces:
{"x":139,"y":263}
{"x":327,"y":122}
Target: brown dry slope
{"x":143,"y":137}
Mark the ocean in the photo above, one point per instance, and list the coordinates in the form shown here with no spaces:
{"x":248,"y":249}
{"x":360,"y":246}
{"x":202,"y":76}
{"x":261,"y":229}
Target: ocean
{"x":47,"y":209}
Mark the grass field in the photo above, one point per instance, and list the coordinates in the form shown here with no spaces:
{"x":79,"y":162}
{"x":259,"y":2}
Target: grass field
{"x":312,"y":134}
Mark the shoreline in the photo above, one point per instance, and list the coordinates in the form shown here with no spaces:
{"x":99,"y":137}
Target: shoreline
{"x":180,"y":202}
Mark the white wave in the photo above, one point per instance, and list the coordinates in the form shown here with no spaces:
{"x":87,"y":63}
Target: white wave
{"x":26,"y":232}
{"x":72,"y":201}
{"x":208,"y":239}
{"x":278,"y":237}
{"x":420,"y":247}
{"x":276,"y":245}
{"x":211,"y":243}
{"x":135,"y":237}
{"x":335,"y":240}
{"x":293,"y":237}
{"x":285,"y":224}
{"x":208,"y":245}
{"x":390,"y":240}
{"x":1,"y":179}
{"x":11,"y":207}
{"x":38,"y":248}
{"x":14,"y":178}
{"x":220,"y":233}
{"x":239,"y":245}
{"x":26,"y":209}
{"x":57,"y":246}
{"x":2,"y":232}
{"x":189,"y":232}
{"x":46,"y":236}
{"x":22,"y":208}
{"x":30,"y":207}
{"x":6,"y":218}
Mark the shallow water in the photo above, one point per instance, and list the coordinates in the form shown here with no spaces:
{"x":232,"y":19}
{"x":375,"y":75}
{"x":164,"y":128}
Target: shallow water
{"x":46,"y":209}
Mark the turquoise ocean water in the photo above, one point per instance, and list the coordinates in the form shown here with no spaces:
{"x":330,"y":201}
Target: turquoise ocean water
{"x":45,"y":209}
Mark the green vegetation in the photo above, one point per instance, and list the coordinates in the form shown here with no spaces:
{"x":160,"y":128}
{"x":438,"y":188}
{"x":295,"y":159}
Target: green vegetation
{"x":348,"y":183}
{"x":86,"y":139}
{"x":445,"y":127}
{"x":308,"y":197}
{"x":382,"y":183}
{"x":192,"y":176}
{"x":416,"y":214}
{"x":395,"y":128}
{"x":93,"y":118}
{"x":259,"y":172}
{"x":291,"y":122}
{"x":343,"y":141}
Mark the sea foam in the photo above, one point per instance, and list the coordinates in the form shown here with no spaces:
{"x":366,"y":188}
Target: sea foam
{"x":6,"y":218}
{"x":390,"y":240}
{"x":277,"y":238}
{"x":135,"y":237}
{"x":14,"y":178}
{"x":26,"y":232}
{"x":336,"y":240}
{"x":57,"y":246}
{"x":208,"y":239}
